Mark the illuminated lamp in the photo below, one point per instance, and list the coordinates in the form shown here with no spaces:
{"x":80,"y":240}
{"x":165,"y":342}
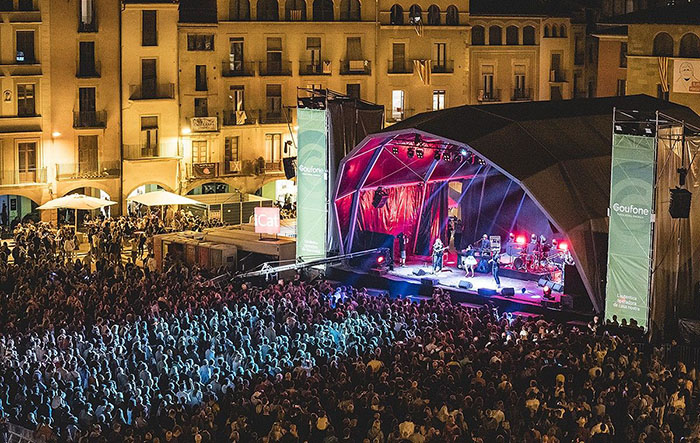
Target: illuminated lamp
{"x":419,"y":153}
{"x":380,"y":259}
{"x":186,"y":131}
{"x":520,"y":240}
{"x":446,"y":156}
{"x":564,"y":246}
{"x":395,"y":150}
{"x":56,"y":134}
{"x":547,"y":291}
{"x":463,"y":152}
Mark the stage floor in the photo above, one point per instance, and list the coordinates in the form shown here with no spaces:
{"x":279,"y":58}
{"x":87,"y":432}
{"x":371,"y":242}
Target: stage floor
{"x":451,"y":276}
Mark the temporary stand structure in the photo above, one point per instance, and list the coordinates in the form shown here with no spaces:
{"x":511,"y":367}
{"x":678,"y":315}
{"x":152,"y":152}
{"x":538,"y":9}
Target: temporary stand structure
{"x":76,"y":202}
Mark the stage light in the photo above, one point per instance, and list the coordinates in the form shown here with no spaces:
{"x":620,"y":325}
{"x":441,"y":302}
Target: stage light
{"x":395,"y":150}
{"x":419,"y":153}
{"x":458,"y":158}
{"x":437,"y":155}
{"x":380,"y":259}
{"x":417,"y":140}
{"x":463,"y":152}
{"x":563,"y":246}
{"x":410,"y":152}
{"x":446,"y":156}
{"x":520,"y":240}
{"x":547,"y":291}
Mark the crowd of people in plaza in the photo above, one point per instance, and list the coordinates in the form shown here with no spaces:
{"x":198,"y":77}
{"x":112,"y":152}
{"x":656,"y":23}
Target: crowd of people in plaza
{"x":123,"y":353}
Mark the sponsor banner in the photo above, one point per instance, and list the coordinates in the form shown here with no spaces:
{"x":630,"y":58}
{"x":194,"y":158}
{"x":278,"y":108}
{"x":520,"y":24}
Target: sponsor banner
{"x":312,"y":184}
{"x":204,"y":124}
{"x":267,"y":220}
{"x":686,"y":76}
{"x":631,"y":218}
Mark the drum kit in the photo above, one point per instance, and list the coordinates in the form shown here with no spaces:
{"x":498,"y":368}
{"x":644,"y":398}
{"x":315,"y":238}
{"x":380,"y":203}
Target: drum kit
{"x":540,"y":261}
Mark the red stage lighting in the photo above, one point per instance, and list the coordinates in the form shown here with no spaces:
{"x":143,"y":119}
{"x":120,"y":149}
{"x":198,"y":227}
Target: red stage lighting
{"x":520,"y":240}
{"x":547,"y":291}
{"x":563,"y":246}
{"x":380,"y":259}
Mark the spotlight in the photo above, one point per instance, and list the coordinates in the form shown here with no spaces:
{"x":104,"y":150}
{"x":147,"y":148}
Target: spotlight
{"x":417,"y":140}
{"x":446,"y":156}
{"x":458,"y":158}
{"x":523,"y":290}
{"x":481,"y":161}
{"x":436,"y":156}
{"x":380,"y":259}
{"x":419,"y":153}
{"x":410,"y":152}
{"x":395,"y":150}
{"x":520,"y":240}
{"x":547,"y":292}
{"x":463,"y":152}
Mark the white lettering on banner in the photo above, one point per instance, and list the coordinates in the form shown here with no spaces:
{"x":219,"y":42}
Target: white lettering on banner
{"x":267,"y":220}
{"x":204,"y":124}
{"x":310,"y":170}
{"x":631,"y":209}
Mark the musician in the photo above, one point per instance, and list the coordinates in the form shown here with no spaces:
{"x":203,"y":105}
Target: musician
{"x":532,"y":246}
{"x":511,"y":246}
{"x":485,"y":244}
{"x":469,"y":261}
{"x":438,"y":249}
{"x":495,"y":263}
{"x":543,"y":247}
{"x":403,"y":240}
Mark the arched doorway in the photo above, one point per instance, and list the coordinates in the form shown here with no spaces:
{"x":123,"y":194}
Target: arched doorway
{"x":15,"y":209}
{"x":67,"y":216}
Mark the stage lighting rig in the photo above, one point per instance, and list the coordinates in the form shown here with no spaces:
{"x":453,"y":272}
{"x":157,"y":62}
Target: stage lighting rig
{"x":446,"y":156}
{"x":463,"y":152}
{"x":395,"y":150}
{"x":410,"y":152}
{"x":419,"y":153}
{"x":436,"y":156}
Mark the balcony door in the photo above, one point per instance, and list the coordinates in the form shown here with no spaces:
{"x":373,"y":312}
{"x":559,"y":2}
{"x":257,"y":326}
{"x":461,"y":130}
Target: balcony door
{"x":398,"y":57}
{"x":86,"y":103}
{"x":440,"y":57}
{"x":87,"y":154}
{"x":199,"y":151}
{"x":274,"y":55}
{"x":148,"y":78}
{"x":149,"y":136}
{"x":236,"y":54}
{"x":25,"y":47}
{"x":26,"y":152}
{"x":87,"y":59}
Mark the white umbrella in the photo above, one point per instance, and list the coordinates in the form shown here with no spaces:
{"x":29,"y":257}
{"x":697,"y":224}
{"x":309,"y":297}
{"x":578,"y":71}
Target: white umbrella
{"x":163,"y":198}
{"x":75,"y":202}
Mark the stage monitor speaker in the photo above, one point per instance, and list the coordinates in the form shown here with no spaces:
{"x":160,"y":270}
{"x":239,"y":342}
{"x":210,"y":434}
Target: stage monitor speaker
{"x":550,"y":284}
{"x":486,"y":292}
{"x":464,"y":284}
{"x":288,"y":164}
{"x":508,"y":292}
{"x":551,"y":304}
{"x":419,"y":272}
{"x":542,"y":282}
{"x":679,"y":207}
{"x":429,"y":281}
{"x":557,"y":287}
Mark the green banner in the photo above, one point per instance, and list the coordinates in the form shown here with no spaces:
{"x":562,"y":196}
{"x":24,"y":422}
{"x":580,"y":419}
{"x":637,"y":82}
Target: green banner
{"x":631,"y":216}
{"x":312,"y":184}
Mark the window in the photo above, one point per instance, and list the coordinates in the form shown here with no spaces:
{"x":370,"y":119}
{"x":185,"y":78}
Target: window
{"x":295,"y":10}
{"x":621,"y":87}
{"x":438,"y":100}
{"x":274,"y":55}
{"x":148,"y":78}
{"x":579,"y":50}
{"x":439,"y":57}
{"x":149,"y":30}
{"x":26,"y":152}
{"x":398,"y":60}
{"x":623,"y":55}
{"x":487,"y":73}
{"x":87,"y":21}
{"x":86,"y":103}
{"x":547,"y":31}
{"x":200,"y":42}
{"x":353,"y":90}
{"x":690,"y":46}
{"x":415,"y":14}
{"x":529,"y":35}
{"x":201,"y":107}
{"x":519,"y":88}
{"x":354,"y":48}
{"x":350,"y":10}
{"x":577,"y":83}
{"x":273,"y":95}
{"x":452,"y":16}
{"x":25,"y":47}
{"x":199,"y":151}
{"x":273,"y":147}
{"x":237,"y":97}
{"x":87,"y":60}
{"x":512,"y":35}
{"x":26,"y":5}
{"x":26,"y":106}
{"x":268,"y":11}
{"x":149,"y":136}
{"x":555,"y":73}
{"x":313,"y":49}
{"x":201,"y":78}
{"x":555,"y":31}
{"x":396,"y":15}
{"x":239,"y":10}
{"x":323,"y":10}
{"x":230,"y":152}
{"x":495,"y":35}
{"x":397,"y":105}
{"x":562,"y":31}
{"x":236,"y":54}
{"x":87,"y":154}
{"x":663,"y":45}
{"x":434,"y":15}
{"x":478,"y":37}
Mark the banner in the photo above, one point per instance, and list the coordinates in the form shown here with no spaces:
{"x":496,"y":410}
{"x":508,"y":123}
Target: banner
{"x":312,"y":184}
{"x":629,"y":240}
{"x":686,"y":76}
{"x":267,"y":220}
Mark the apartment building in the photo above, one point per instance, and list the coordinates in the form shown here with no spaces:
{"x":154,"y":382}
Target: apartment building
{"x":606,"y":64}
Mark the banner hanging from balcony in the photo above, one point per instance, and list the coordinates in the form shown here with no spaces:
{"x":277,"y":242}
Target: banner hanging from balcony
{"x":686,"y":76}
{"x":629,"y":241}
{"x":312,"y":184}
{"x":204,"y":170}
{"x":204,"y":124}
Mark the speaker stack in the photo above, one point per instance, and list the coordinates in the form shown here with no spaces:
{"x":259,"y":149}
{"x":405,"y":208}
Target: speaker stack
{"x":679,"y":206}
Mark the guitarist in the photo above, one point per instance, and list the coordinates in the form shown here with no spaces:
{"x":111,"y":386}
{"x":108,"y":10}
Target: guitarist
{"x":438,"y":249}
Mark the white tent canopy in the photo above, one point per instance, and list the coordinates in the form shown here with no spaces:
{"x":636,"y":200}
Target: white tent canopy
{"x":162,"y":198}
{"x":76,"y":201}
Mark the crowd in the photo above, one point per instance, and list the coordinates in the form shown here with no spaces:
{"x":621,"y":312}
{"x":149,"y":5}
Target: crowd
{"x":126,"y":354}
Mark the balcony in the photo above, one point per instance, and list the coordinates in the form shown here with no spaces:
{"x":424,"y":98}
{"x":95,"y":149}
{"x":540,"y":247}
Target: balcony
{"x":400,"y":67}
{"x":162,"y":91}
{"x":355,"y":67}
{"x":521,"y":94}
{"x":280,"y":68}
{"x":26,"y":12}
{"x":83,"y":70}
{"x":442,"y":67}
{"x":89,"y":24}
{"x":316,"y":67}
{"x":243,"y":69}
{"x":556,"y":76}
{"x":489,"y":95}
{"x":78,"y":171}
{"x":238,"y":118}
{"x":272,"y":118}
{"x":273,"y":167}
{"x":141,"y":152}
{"x":15,"y":177}
{"x":89,"y":119}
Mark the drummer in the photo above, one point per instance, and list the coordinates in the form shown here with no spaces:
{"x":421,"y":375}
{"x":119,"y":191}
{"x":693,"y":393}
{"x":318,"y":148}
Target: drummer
{"x":532,"y":246}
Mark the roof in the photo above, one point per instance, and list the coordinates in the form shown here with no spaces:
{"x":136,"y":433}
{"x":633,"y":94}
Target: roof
{"x":680,"y":14}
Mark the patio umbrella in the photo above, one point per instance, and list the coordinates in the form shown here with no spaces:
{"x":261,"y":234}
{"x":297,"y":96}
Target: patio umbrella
{"x":163,"y":198}
{"x":75,"y":202}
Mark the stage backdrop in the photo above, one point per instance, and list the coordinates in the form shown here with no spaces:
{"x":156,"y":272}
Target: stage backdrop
{"x":629,"y":240}
{"x":312,"y":184}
